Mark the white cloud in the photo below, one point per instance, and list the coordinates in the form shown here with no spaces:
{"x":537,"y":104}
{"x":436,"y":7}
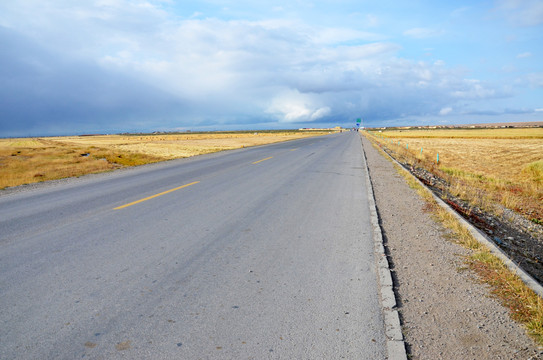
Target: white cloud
{"x":365,"y":20}
{"x":292,"y":107}
{"x":341,"y":35}
{"x":212,"y":60}
{"x":524,"y":55}
{"x":445,"y":111}
{"x":371,"y":21}
{"x":535,"y":79}
{"x":423,"y":33}
{"x":320,"y":113}
{"x":460,"y":12}
{"x":475,"y":89}
{"x":284,"y":69}
{"x":522,"y":12}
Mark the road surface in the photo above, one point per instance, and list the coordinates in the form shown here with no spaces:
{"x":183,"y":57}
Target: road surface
{"x":257,"y":253}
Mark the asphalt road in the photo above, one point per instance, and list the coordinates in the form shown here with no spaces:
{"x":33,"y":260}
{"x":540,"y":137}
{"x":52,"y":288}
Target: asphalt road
{"x":257,"y":253}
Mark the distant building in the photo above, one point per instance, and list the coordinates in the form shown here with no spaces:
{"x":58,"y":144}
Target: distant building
{"x":337,"y":128}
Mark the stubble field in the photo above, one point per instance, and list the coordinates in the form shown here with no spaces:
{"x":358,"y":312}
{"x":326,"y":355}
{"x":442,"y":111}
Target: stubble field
{"x":488,"y":165}
{"x":506,"y":154}
{"x":30,"y":160}
{"x":489,"y":176}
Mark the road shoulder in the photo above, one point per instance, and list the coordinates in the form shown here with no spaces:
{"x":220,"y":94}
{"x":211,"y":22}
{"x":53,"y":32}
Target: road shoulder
{"x":445,"y":312}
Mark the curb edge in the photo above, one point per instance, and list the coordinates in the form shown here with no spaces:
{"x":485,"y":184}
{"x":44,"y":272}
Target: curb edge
{"x":482,"y":238}
{"x":393,"y":330}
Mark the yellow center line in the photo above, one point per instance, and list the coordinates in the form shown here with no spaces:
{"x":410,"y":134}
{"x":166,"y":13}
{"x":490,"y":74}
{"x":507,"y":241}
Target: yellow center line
{"x":268,"y":158}
{"x":154,"y":196}
{"x":294,"y":149}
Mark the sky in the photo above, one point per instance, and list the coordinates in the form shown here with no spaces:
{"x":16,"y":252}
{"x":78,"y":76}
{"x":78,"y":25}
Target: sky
{"x":109,"y":66}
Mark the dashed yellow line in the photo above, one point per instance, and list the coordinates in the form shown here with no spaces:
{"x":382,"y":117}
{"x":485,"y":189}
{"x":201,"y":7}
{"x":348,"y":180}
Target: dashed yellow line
{"x":154,"y":196}
{"x":268,"y":158}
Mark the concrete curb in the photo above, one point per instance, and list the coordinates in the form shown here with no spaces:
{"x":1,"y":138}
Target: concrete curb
{"x":483,"y":239}
{"x":494,"y":249}
{"x":393,"y":330}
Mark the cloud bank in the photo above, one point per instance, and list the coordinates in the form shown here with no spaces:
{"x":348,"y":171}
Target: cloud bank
{"x":120,"y":65}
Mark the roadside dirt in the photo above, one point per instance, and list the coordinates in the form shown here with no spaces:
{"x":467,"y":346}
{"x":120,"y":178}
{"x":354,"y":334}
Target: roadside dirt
{"x":445,"y":312}
{"x":519,"y":238}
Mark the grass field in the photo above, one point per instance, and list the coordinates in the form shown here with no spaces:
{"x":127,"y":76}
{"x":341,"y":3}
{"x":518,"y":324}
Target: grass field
{"x":477,"y":133}
{"x":482,"y":165}
{"x":30,"y":160}
{"x":525,"y":305}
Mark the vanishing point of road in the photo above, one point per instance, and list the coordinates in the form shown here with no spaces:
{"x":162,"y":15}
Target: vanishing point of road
{"x":257,"y":253}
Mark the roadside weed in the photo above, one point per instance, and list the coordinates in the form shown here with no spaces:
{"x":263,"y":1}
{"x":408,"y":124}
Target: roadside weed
{"x":524,"y":305}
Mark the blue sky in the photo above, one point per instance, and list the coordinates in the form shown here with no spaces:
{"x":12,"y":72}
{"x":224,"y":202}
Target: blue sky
{"x":73,"y":67}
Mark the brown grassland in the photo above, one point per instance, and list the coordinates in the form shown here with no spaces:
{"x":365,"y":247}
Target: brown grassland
{"x":525,"y":305}
{"x":485,"y":166}
{"x":30,"y":160}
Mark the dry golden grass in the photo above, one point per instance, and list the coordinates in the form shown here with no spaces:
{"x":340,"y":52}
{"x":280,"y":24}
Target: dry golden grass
{"x":503,"y":159}
{"x":24,"y":161}
{"x":525,"y":306}
{"x":502,"y":133}
{"x":183,"y":145}
{"x":481,"y":165}
{"x":30,"y":160}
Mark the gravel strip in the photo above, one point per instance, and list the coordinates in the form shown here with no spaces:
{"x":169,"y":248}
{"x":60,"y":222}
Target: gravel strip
{"x":445,"y":312}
